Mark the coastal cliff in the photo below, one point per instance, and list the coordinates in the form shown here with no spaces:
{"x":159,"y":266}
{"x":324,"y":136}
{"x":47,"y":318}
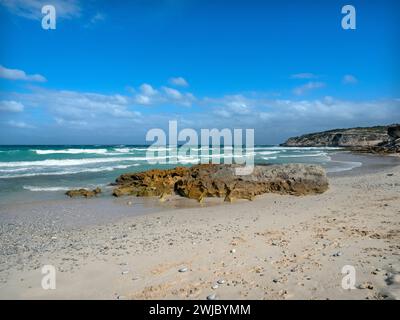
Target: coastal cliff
{"x":379,"y":139}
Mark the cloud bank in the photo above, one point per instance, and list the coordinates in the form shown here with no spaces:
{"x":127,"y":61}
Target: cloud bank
{"x":15,"y":74}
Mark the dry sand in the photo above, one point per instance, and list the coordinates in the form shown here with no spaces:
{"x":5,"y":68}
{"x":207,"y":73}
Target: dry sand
{"x":276,"y":247}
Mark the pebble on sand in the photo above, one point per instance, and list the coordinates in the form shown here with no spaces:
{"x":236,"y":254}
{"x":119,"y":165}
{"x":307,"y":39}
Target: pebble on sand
{"x":394,"y":279}
{"x":221,"y":281}
{"x":212,"y":297}
{"x":366,"y":285}
{"x":183,"y":269}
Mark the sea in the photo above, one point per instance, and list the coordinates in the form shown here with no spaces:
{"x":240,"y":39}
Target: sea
{"x":29,"y":173}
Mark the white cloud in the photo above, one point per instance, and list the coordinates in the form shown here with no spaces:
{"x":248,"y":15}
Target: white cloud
{"x":179,"y":82}
{"x":148,"y":90}
{"x":32,"y":9}
{"x":11,"y":106}
{"x":177,"y":97}
{"x":147,"y":95}
{"x":231,"y":105}
{"x":305,"y":75}
{"x":172,"y":93}
{"x":308,"y":87}
{"x":349,"y":79}
{"x":223,"y":113}
{"x":71,"y":123}
{"x":15,"y":74}
{"x":81,"y":108}
{"x":268,"y":115}
{"x":20,"y":124}
{"x":98,"y":17}
{"x":114,"y":116}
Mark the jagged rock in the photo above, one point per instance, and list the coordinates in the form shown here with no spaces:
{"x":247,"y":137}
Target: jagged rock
{"x":394,"y":132}
{"x":390,"y":146}
{"x":213,"y":180}
{"x":83,"y":193}
{"x":378,"y":140}
{"x":154,"y":182}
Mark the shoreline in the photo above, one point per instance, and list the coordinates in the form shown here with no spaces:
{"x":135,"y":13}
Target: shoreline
{"x":81,"y":212}
{"x":275,"y":247}
{"x":371,"y":163}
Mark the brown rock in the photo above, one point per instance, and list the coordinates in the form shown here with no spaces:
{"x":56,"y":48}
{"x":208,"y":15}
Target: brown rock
{"x":212,"y":180}
{"x":154,"y":182}
{"x":83,"y":193}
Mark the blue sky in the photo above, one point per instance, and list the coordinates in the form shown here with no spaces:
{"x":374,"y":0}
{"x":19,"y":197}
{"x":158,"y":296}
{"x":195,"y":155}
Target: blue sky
{"x":111,"y":71}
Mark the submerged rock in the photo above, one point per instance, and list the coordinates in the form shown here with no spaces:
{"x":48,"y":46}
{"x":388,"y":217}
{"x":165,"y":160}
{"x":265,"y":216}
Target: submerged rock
{"x":83,"y":193}
{"x":213,"y":180}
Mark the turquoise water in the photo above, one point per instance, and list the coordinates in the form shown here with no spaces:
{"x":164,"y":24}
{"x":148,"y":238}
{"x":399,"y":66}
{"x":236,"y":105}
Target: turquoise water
{"x":30,"y":172}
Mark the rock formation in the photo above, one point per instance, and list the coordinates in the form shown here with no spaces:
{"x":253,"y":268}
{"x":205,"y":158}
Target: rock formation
{"x":83,"y":193}
{"x":392,"y":145}
{"x":149,"y":183}
{"x":354,"y":137}
{"x":212,"y":180}
{"x":383,"y":139}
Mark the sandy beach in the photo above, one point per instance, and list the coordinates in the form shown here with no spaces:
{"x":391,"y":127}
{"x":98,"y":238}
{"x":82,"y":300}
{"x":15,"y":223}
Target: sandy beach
{"x":275,"y":247}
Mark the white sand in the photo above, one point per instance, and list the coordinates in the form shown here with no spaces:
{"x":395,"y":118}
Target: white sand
{"x":276,"y":247}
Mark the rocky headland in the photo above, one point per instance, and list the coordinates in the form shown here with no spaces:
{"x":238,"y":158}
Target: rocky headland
{"x":379,"y":139}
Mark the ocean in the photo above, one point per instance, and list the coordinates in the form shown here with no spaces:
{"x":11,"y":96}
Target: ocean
{"x":45,"y":172}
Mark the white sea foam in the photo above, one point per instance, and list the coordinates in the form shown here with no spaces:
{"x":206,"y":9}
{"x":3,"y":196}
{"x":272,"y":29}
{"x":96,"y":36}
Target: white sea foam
{"x":344,"y":166}
{"x":296,"y":148}
{"x":123,"y":150}
{"x":188,"y":160}
{"x":54,"y":189}
{"x":67,"y":172}
{"x":69,"y":162}
{"x":70,"y":151}
{"x":14,"y":170}
{"x":268,"y":152}
{"x":321,"y":154}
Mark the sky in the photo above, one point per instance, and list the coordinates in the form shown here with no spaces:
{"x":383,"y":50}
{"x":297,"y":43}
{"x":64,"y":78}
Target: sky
{"x":112,"y":70}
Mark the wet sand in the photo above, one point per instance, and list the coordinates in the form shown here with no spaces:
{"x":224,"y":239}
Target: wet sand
{"x":370,"y":163}
{"x":276,"y":247}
